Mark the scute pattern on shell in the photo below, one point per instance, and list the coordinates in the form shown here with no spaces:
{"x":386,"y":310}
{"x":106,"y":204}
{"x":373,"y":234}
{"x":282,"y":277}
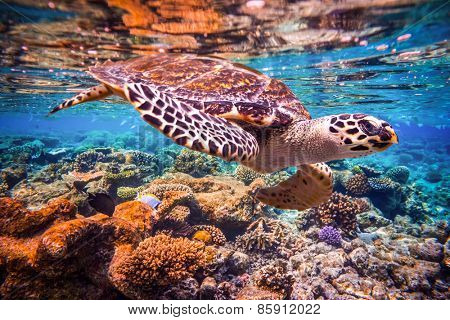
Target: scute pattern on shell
{"x":213,"y":85}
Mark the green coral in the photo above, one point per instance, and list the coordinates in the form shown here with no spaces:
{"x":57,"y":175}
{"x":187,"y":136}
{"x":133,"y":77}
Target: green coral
{"x":128,"y":193}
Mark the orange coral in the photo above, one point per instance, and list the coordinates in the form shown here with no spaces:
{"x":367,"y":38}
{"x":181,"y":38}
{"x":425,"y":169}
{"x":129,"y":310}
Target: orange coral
{"x":157,"y":261}
{"x":15,"y":219}
{"x":138,"y":213}
{"x":216,"y":236}
{"x":46,"y":255}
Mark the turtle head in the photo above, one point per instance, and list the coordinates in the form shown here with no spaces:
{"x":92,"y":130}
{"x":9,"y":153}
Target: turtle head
{"x":359,"y":135}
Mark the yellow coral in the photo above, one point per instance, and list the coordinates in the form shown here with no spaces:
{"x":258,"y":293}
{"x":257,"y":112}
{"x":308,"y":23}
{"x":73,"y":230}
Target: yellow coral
{"x":203,"y":236}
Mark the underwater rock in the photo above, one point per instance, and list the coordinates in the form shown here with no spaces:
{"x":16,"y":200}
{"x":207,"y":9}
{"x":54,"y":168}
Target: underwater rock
{"x":208,"y":288}
{"x":61,"y":254}
{"x":13,"y":175}
{"x":171,"y":196}
{"x":262,"y":235}
{"x":218,"y":200}
{"x":433,"y":175}
{"x":371,"y":221}
{"x":16,"y":220}
{"x":274,"y":277}
{"x":386,"y":195}
{"x":256,"y":293}
{"x":361,"y":288}
{"x":430,"y":250}
{"x":237,"y":262}
{"x":186,"y":289}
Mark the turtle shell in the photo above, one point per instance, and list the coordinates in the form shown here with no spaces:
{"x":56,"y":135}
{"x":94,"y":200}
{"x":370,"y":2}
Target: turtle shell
{"x":214,"y":85}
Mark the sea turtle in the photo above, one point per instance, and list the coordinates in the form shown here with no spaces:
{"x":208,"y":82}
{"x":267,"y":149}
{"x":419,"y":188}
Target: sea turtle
{"x":229,"y":110}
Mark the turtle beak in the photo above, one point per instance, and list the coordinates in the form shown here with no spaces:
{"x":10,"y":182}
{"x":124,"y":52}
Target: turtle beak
{"x":394,"y":137}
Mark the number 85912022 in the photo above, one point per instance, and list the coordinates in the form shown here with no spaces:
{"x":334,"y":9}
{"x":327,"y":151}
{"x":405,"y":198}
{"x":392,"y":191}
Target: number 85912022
{"x":291,"y":308}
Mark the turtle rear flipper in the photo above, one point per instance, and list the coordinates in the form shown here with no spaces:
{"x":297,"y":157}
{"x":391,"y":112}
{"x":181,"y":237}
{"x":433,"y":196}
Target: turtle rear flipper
{"x":191,"y":127}
{"x":94,"y":93}
{"x":310,"y":186}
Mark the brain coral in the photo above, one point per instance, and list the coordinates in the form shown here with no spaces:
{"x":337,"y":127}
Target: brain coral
{"x":157,"y":262}
{"x":398,"y":174}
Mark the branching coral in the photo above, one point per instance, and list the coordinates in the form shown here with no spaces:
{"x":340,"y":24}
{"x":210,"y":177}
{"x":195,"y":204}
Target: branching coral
{"x":86,"y":161}
{"x":330,"y":235}
{"x":262,"y":235}
{"x":247,"y":175}
{"x":157,"y":262}
{"x":357,"y":185}
{"x":195,"y":164}
{"x":340,"y":211}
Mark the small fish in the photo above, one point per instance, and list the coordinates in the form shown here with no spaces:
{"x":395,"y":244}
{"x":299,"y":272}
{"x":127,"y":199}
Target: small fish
{"x":149,"y":199}
{"x":123,"y":122}
{"x":102,"y":203}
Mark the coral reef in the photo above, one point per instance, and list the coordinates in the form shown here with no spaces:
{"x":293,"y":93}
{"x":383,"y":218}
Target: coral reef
{"x":87,"y":160}
{"x":382,"y":235}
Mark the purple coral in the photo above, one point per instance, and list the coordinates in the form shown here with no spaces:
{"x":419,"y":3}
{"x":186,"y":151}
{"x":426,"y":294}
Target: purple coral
{"x":330,"y":235}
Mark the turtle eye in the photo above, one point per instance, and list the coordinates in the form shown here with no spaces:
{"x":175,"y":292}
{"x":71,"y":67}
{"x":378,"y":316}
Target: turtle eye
{"x":369,"y":127}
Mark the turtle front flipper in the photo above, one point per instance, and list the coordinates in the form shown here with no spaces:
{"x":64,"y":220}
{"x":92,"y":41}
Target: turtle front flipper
{"x":310,"y":186}
{"x":94,"y":93}
{"x":191,"y":127}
